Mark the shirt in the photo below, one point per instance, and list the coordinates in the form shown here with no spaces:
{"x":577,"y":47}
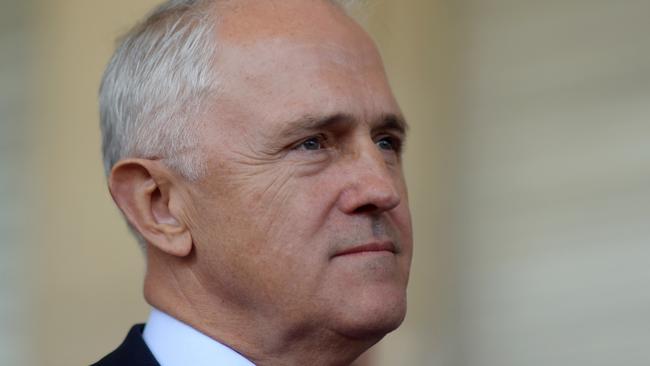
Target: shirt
{"x":174,"y":343}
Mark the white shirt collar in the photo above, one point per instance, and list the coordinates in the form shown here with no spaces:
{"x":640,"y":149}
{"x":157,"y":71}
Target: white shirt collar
{"x":174,"y":343}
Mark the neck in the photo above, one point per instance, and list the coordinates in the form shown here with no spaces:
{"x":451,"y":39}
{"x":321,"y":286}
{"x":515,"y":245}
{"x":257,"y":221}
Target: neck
{"x":264,"y":340}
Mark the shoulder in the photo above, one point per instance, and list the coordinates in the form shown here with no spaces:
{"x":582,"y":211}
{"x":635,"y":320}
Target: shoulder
{"x":132,"y":352}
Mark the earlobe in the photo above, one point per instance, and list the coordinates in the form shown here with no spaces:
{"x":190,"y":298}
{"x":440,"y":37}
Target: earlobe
{"x":147,"y":197}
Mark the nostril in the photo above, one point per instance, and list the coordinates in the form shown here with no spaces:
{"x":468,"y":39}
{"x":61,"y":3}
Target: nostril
{"x":367,"y":208}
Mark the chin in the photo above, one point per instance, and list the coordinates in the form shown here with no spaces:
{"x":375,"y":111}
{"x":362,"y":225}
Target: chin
{"x":375,"y":318}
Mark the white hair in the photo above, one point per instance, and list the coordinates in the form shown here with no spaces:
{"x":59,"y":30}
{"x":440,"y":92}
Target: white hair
{"x":154,"y":86}
{"x":157,"y":84}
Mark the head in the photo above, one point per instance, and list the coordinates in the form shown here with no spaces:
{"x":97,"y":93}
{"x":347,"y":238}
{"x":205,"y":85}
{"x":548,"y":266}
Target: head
{"x":268,"y":187}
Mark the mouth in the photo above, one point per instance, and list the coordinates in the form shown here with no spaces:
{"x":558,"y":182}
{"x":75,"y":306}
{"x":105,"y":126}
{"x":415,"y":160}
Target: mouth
{"x":384,"y":247}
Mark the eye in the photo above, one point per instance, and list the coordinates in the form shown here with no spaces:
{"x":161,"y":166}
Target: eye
{"x":389,"y":143}
{"x":312,"y":143}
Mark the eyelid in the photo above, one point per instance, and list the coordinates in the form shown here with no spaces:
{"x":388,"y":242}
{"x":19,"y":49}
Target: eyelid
{"x":323,"y":139}
{"x":397,"y":139}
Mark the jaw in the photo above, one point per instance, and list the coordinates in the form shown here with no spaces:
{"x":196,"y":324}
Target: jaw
{"x":265,"y":340}
{"x":331,"y":350}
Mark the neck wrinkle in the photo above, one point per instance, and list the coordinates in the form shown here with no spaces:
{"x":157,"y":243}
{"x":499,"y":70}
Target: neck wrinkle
{"x":172,"y":287}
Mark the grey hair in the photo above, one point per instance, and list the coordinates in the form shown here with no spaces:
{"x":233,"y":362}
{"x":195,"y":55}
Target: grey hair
{"x":156,"y":84}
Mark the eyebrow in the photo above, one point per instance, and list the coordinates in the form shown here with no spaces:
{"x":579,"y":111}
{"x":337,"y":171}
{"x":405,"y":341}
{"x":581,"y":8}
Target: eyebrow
{"x":391,"y":121}
{"x":309,"y":122}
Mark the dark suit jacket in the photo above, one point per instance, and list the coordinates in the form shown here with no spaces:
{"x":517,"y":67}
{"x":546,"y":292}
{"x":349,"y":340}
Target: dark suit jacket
{"x":132,"y":352}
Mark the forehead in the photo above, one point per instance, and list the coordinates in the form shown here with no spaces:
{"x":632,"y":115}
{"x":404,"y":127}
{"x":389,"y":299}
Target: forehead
{"x":242,"y":21}
{"x":282,"y":59}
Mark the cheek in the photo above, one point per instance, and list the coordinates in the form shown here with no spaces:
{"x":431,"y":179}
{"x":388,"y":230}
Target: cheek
{"x":275,"y":201}
{"x":261,"y":217}
{"x":402,"y":218}
{"x":285,"y":201}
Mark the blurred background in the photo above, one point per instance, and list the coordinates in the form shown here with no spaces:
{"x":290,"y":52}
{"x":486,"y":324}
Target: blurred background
{"x":528,"y":165}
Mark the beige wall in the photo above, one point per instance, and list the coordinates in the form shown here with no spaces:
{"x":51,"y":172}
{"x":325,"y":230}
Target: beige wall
{"x":16,"y":294}
{"x":527,"y":166}
{"x":89,"y":271}
{"x":553,"y":193}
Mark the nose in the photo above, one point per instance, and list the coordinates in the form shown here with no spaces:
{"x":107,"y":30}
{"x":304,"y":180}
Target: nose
{"x":371,"y":186}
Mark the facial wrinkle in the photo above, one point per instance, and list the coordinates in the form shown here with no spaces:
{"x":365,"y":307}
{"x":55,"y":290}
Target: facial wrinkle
{"x":280,"y":195}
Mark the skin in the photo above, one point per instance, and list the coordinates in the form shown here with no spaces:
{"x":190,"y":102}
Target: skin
{"x":303,"y":148}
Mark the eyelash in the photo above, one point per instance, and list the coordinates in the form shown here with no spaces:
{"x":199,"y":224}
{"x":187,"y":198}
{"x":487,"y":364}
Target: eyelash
{"x":322,"y":140}
{"x":395,"y":142}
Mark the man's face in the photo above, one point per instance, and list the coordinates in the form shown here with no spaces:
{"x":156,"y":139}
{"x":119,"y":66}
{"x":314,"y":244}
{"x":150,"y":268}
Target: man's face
{"x":303,"y":218}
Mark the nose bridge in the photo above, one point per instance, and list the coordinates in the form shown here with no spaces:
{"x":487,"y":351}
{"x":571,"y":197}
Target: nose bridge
{"x":371,"y":182}
{"x":370,"y":161}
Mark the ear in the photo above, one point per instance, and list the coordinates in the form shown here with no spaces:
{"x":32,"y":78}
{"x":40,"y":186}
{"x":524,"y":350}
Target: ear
{"x":149,"y":197}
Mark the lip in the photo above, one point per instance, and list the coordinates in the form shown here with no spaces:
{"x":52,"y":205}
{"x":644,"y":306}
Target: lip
{"x":375,"y":247}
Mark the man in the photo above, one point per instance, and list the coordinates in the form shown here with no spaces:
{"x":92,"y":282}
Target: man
{"x":254,"y":147}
